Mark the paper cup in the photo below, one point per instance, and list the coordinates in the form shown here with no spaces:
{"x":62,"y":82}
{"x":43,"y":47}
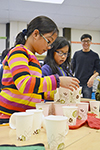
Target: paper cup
{"x":23,"y":123}
{"x":37,"y":119}
{"x":82,"y":110}
{"x":64,"y":95}
{"x":44,"y":107}
{"x":58,"y":109}
{"x":94,"y":107}
{"x":56,"y":129}
{"x":56,"y":95}
{"x":75,"y":95}
{"x":71,"y":113}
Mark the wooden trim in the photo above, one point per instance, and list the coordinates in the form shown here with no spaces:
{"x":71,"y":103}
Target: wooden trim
{"x":77,"y":42}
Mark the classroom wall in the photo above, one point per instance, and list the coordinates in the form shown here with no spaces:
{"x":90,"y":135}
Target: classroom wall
{"x":2,"y":34}
{"x":16,"y":27}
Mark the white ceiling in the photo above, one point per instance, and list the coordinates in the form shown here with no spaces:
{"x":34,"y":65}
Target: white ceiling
{"x":75,"y":14}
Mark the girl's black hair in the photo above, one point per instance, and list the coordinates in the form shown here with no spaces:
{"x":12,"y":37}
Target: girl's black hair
{"x":59,"y":43}
{"x":42,"y":23}
{"x":4,"y":53}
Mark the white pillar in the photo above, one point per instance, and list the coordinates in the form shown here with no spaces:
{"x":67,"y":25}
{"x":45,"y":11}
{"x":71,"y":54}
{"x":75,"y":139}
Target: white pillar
{"x":15,"y":28}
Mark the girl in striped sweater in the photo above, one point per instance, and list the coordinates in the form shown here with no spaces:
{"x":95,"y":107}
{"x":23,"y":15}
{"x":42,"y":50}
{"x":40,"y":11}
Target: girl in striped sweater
{"x":23,"y":84}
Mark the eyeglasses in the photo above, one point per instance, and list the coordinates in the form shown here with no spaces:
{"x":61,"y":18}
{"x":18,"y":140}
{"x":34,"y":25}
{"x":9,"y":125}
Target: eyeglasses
{"x":84,"y":41}
{"x":60,"y":53}
{"x":48,"y":42}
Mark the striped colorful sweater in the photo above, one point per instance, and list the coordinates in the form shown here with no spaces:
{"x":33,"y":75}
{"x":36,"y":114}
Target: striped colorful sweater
{"x":23,"y":84}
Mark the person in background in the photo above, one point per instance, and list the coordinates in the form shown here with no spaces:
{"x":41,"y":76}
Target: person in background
{"x":1,"y":66}
{"x":95,"y":84}
{"x":57,"y":60}
{"x":23,"y":84}
{"x":1,"y":72}
{"x":84,"y":63}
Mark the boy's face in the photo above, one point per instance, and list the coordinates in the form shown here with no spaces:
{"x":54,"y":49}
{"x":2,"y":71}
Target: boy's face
{"x":86,"y":44}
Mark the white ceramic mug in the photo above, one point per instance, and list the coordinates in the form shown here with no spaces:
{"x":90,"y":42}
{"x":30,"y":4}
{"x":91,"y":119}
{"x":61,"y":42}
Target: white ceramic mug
{"x":23,"y":123}
{"x":56,"y":129}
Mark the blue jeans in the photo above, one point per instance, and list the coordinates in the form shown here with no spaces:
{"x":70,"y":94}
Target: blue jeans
{"x":86,"y":91}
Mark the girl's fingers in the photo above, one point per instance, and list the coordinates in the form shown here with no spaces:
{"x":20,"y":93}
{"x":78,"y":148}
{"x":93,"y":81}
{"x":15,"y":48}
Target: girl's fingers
{"x":75,"y":79}
{"x":75,"y":84}
{"x":70,"y":89}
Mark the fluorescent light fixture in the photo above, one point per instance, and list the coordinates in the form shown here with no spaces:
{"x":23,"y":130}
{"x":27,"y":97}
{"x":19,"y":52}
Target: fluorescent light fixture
{"x":48,"y":1}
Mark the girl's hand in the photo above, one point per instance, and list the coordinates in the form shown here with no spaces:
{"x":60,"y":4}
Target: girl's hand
{"x":69,"y":82}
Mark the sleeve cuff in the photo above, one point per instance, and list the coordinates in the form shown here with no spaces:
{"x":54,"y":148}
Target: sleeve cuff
{"x":57,"y":79}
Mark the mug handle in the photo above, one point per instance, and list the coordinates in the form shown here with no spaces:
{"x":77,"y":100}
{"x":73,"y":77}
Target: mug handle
{"x":12,"y":121}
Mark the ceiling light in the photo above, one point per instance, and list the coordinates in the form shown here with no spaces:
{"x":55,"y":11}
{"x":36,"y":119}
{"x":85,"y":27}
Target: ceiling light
{"x":48,"y":1}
